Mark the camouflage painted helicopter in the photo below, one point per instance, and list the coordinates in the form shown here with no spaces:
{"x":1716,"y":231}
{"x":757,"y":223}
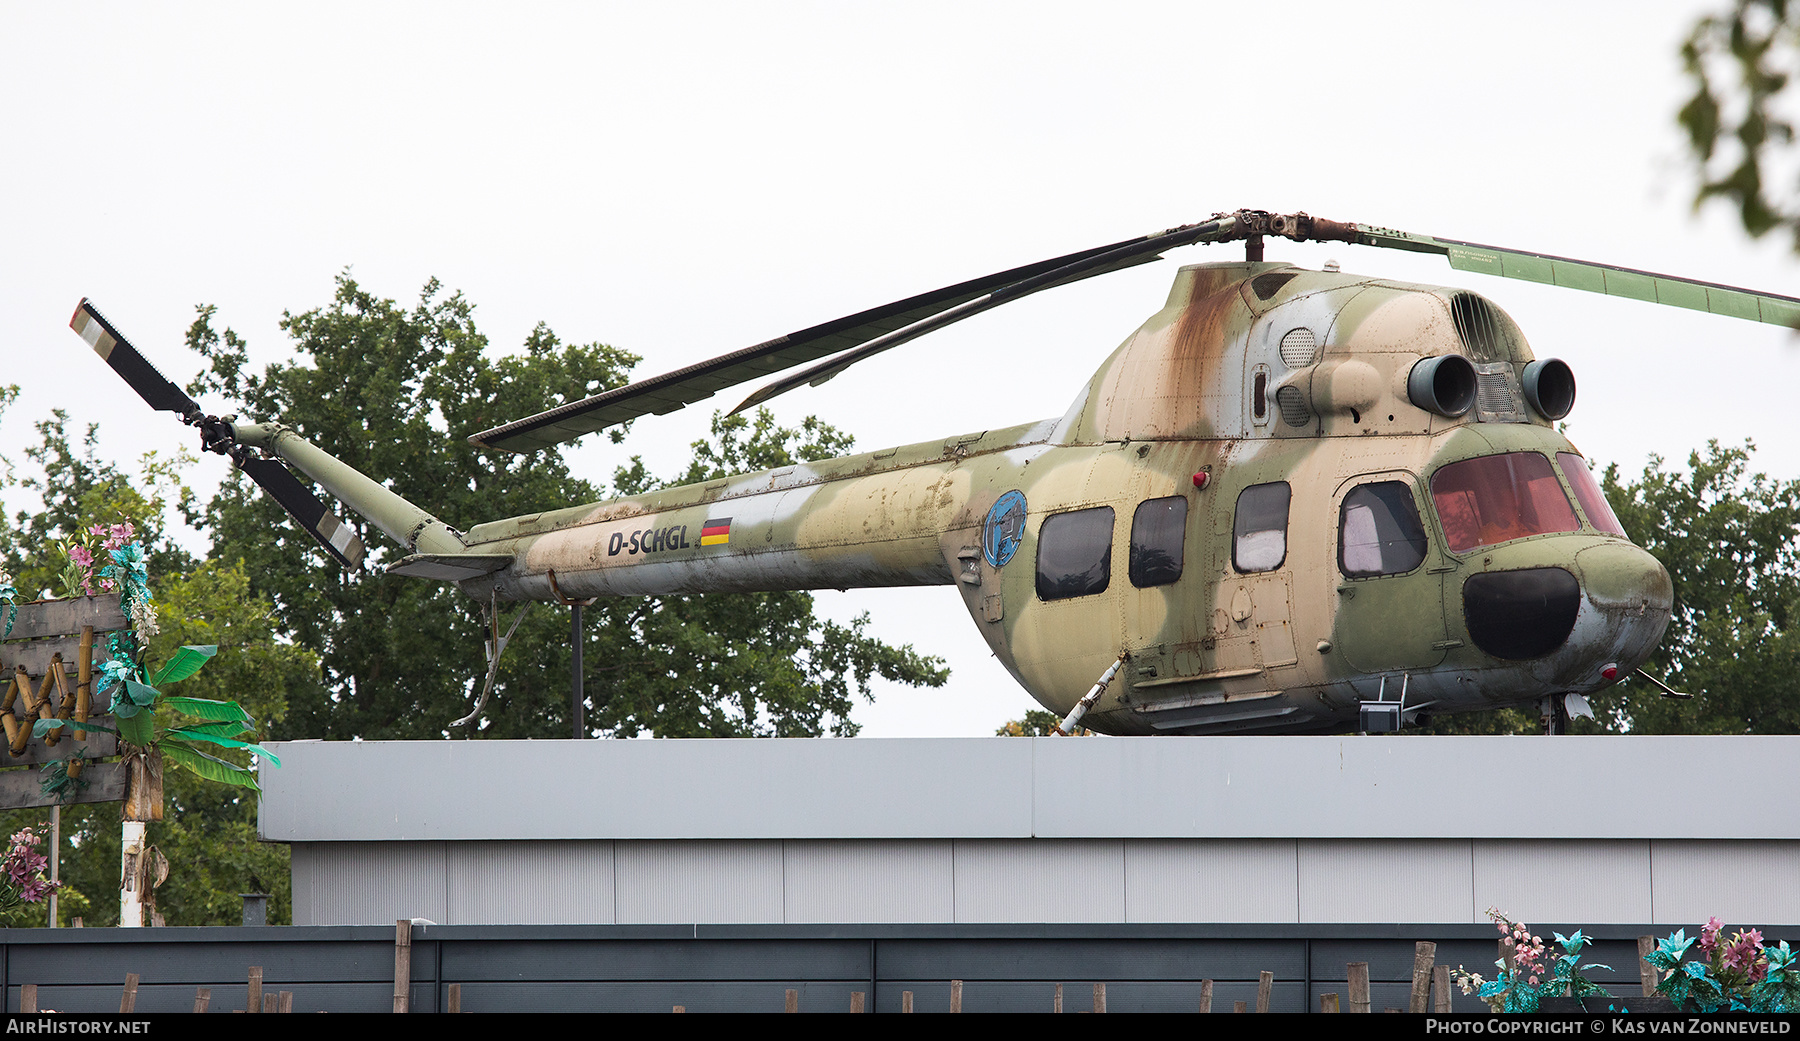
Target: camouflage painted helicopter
{"x":1291,"y":501}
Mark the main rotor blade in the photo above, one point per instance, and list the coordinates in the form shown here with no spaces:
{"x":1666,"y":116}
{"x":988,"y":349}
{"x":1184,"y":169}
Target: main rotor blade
{"x":1142,"y":251}
{"x":333,"y":535}
{"x":131,"y":366}
{"x":1730,"y":301}
{"x":670,"y":391}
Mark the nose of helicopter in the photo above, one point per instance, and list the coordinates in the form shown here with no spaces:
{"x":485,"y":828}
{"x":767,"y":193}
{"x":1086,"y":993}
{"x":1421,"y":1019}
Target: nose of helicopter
{"x":1609,"y":603}
{"x":1631,"y":597}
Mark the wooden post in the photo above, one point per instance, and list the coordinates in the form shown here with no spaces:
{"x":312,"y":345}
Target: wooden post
{"x":679,"y":1009}
{"x":131,"y":876}
{"x":402,"y":963}
{"x":1424,"y":954}
{"x":202,"y":998}
{"x":253,"y":1002}
{"x":906,"y":1001}
{"x":856,"y":1002}
{"x":956,"y":995}
{"x":454,"y":1000}
{"x":271,"y":1003}
{"x":55,"y":858}
{"x":1359,"y":986}
{"x":1440,"y":989}
{"x":1265,"y":981}
{"x":128,"y":999}
{"x":1099,"y":997}
{"x":1328,"y":1003}
{"x":1056,"y":1001}
{"x":791,"y":1003}
{"x":1240,"y":1006}
{"x":286,"y":1003}
{"x":1206,"y":995}
{"x":1647,"y":976}
{"x":27,"y":997}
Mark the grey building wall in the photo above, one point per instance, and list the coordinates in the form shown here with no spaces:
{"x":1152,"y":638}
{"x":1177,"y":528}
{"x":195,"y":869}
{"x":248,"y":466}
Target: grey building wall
{"x":1008,"y":830}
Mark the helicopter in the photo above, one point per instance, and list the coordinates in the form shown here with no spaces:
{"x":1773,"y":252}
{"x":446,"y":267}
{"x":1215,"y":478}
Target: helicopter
{"x":1291,"y":501}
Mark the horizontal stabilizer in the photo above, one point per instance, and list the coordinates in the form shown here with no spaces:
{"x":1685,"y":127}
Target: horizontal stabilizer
{"x":449,"y":567}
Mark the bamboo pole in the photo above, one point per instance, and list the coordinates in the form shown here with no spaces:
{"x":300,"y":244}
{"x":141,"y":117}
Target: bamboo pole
{"x":454,"y":1002}
{"x":128,"y":997}
{"x":1206,"y":988}
{"x":1265,"y":982}
{"x":1328,"y":1003}
{"x":202,"y":998}
{"x":402,"y":964}
{"x":791,"y":1002}
{"x":27,"y":997}
{"x":1440,"y":989}
{"x":956,"y":995}
{"x":1359,"y":986}
{"x":1099,"y":997}
{"x":253,"y":997}
{"x":1424,"y":954}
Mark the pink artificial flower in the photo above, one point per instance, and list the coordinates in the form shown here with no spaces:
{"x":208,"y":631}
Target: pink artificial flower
{"x":1709,"y":935}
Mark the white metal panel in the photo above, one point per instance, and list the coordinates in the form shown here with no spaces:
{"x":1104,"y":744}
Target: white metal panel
{"x":1356,"y":787}
{"x":681,"y":882}
{"x":1367,"y":880}
{"x":1031,"y":880}
{"x":1570,"y":881}
{"x":693,"y":789}
{"x":864,"y":880}
{"x":1743,"y":883}
{"x":826,"y":788}
{"x":368,"y":883}
{"x":529,"y":883}
{"x":1211,"y":880}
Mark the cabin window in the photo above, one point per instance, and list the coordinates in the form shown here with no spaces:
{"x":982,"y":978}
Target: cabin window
{"x":1588,"y":494}
{"x":1498,"y":498}
{"x":1259,"y":534}
{"x":1379,"y":531}
{"x":1158,"y":532}
{"x":1075,"y":553}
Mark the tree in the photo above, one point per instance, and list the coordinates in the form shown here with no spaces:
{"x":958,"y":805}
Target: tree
{"x":1740,"y":63}
{"x":1730,"y":540}
{"x":391,"y":391}
{"x":209,"y":830}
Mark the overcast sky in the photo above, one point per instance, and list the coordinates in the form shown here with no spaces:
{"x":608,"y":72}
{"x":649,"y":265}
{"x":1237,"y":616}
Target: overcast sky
{"x":683,"y":180}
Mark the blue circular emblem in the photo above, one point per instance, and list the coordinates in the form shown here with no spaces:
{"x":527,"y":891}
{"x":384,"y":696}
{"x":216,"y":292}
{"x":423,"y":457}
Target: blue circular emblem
{"x":1004,"y":529}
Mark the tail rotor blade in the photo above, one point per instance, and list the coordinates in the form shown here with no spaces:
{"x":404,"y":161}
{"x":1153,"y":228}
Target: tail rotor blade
{"x":131,"y":366}
{"x":333,"y":535}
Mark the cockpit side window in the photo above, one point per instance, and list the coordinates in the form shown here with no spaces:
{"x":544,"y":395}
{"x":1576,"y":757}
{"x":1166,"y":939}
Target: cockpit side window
{"x":1158,"y":533}
{"x":1075,"y":553}
{"x":1497,"y":498}
{"x":1587,"y":492}
{"x":1259,"y":533}
{"x":1379,"y":531}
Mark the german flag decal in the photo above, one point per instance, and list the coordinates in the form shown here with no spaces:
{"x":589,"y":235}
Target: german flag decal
{"x":716,"y":532}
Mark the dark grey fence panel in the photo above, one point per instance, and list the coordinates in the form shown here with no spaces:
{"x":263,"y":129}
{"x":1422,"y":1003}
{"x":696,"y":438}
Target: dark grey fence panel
{"x":1012,"y":968}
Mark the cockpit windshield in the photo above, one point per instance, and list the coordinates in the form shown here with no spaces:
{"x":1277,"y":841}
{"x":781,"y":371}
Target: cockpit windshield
{"x":1497,"y":498}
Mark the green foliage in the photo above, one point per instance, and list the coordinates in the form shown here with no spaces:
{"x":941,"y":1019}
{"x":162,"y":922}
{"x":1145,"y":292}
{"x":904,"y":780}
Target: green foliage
{"x":209,"y":830}
{"x":392,"y":391}
{"x":1036,"y":723}
{"x":1739,"y":63}
{"x":1730,"y":540}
